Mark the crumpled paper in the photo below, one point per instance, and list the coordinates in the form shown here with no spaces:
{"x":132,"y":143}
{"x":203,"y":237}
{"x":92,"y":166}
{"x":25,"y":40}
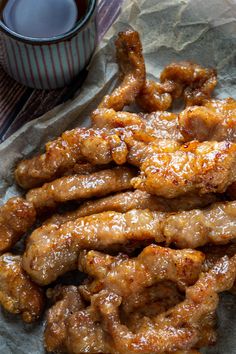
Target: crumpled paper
{"x":203,"y":31}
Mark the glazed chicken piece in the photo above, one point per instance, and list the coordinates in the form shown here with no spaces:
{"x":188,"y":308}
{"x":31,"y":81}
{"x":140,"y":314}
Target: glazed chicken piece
{"x":123,"y":202}
{"x":215,"y":120}
{"x":81,"y":327}
{"x":195,"y":167}
{"x":98,"y":328}
{"x":18,"y":294}
{"x":124,"y":276}
{"x":192,"y":81}
{"x":214,"y":253}
{"x":53,"y":249}
{"x":179,"y":328}
{"x":16,"y":217}
{"x":132,"y":71}
{"x":96,"y":146}
{"x":215,"y":225}
{"x":79,"y":187}
{"x":154,"y":97}
{"x":67,"y":301}
{"x":165,"y":124}
{"x":84,"y":168}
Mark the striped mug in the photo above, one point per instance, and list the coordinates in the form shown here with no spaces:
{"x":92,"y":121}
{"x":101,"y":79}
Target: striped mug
{"x":49,"y":63}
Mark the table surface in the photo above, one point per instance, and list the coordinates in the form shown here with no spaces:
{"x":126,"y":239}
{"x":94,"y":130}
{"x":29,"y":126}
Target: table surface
{"x":20,"y":104}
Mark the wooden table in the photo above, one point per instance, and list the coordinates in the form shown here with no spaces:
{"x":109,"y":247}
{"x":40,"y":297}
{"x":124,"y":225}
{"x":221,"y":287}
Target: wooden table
{"x":20,"y":104}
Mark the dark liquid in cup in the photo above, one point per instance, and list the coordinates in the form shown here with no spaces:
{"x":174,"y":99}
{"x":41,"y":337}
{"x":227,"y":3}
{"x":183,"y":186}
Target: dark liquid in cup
{"x":21,"y":21}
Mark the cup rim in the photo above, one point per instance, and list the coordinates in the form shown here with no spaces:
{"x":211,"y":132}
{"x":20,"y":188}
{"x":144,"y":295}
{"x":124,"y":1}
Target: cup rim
{"x":33,"y":40}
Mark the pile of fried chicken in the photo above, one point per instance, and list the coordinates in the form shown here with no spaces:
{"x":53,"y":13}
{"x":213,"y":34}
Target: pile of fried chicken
{"x":152,"y":223}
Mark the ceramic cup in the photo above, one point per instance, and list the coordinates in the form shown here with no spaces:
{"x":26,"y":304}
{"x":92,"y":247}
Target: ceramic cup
{"x":49,"y":63}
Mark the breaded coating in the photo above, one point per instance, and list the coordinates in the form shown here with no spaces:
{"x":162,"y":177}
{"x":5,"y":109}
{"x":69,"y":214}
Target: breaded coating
{"x":154,"y":97}
{"x":67,"y":301}
{"x":80,"y":329}
{"x":16,"y":217}
{"x":214,"y":253}
{"x":165,"y":125}
{"x":196,"y":167}
{"x":123,"y":202}
{"x":160,"y":125}
{"x":53,"y":250}
{"x":123,"y":139}
{"x":151,"y":302}
{"x":154,"y":264}
{"x":215,"y":120}
{"x":132,"y":70}
{"x":192,"y":81}
{"x":120,"y":202}
{"x":79,"y":187}
{"x":18,"y":294}
{"x":179,"y":328}
{"x":84,"y":168}
{"x":97,"y":146}
{"x":215,"y":224}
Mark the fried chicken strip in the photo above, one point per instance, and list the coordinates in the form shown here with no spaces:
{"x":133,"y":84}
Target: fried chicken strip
{"x":186,"y":79}
{"x":177,"y":329}
{"x":96,"y":146}
{"x":79,"y":328}
{"x":67,"y":301}
{"x":154,"y":264}
{"x":18,"y":294}
{"x":215,"y":120}
{"x":16,"y":217}
{"x":53,"y":250}
{"x":79,"y":187}
{"x":190,"y":80}
{"x":195,"y":167}
{"x":215,"y":225}
{"x":123,"y":202}
{"x":132,"y":70}
{"x":154,"y":97}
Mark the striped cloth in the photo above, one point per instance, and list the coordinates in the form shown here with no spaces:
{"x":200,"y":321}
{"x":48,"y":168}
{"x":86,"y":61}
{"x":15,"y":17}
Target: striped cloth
{"x":19,"y":104}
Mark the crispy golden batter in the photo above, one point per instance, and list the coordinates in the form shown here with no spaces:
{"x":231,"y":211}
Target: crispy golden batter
{"x":216,"y":120}
{"x":189,"y":80}
{"x":77,"y":329}
{"x":79,"y":187}
{"x":97,"y":146}
{"x":165,"y":125}
{"x":84,"y":168}
{"x":67,"y":301}
{"x":132,"y":70}
{"x":154,"y":97}
{"x":123,"y":202}
{"x":215,"y":224}
{"x":179,"y":328}
{"x":196,"y":167}
{"x":124,"y":276}
{"x":53,"y":249}
{"x":16,"y":217}
{"x":18,"y":294}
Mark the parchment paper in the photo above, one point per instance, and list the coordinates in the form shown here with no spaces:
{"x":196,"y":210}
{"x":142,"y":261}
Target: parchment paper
{"x":203,"y":31}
